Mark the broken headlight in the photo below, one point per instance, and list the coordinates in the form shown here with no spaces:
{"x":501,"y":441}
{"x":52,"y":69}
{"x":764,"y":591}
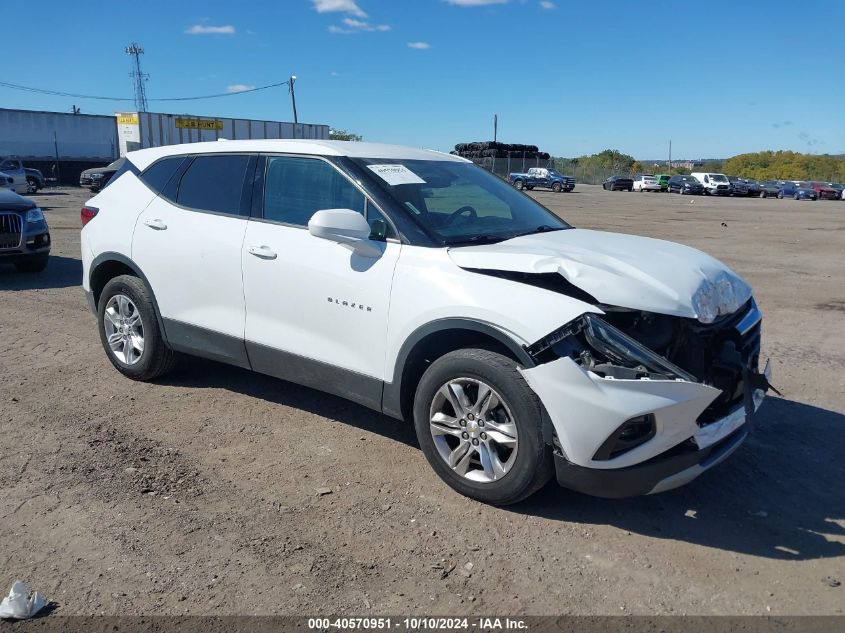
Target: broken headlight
{"x":620,"y":349}
{"x":725,"y":295}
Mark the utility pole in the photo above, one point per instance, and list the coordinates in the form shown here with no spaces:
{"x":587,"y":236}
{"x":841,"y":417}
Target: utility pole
{"x":670,"y":154}
{"x":495,"y":127}
{"x":139,"y":78}
{"x":292,"y":81}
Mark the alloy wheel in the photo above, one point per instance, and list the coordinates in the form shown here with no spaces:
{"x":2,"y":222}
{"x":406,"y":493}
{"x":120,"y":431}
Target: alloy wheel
{"x":124,"y":329}
{"x":473,"y":430}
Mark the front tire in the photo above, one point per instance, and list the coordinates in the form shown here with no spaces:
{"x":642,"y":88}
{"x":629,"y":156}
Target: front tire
{"x":31,"y":184}
{"x":129,"y":330}
{"x":479,"y":426}
{"x":556,"y":187}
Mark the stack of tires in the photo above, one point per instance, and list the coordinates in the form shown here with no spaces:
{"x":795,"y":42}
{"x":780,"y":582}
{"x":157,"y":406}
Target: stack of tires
{"x":493,"y":149}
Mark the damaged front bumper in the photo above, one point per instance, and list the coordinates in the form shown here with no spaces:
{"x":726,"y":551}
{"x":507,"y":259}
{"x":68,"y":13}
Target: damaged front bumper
{"x":594,"y":402}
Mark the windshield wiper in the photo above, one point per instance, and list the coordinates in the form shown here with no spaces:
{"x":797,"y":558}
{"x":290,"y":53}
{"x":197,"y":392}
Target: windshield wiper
{"x":476,"y":239}
{"x":543,"y":228}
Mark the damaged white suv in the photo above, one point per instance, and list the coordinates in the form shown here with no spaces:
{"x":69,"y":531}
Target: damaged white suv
{"x":423,"y":287}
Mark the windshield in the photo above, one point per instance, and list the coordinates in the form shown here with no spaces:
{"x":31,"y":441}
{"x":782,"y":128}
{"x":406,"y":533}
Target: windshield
{"x":459,"y":203}
{"x":552,"y":172}
{"x":718,"y":178}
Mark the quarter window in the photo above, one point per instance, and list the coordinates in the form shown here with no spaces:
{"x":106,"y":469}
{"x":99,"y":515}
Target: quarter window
{"x":158,"y":175}
{"x":214,"y":183}
{"x":296,"y":188}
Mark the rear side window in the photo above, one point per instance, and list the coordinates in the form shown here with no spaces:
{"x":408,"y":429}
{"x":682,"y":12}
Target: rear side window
{"x":296,"y":188}
{"x":157,"y":175}
{"x":214,"y":183}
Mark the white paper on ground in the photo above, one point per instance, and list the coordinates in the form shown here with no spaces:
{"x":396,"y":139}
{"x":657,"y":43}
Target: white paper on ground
{"x":396,"y":175}
{"x":19,"y":604}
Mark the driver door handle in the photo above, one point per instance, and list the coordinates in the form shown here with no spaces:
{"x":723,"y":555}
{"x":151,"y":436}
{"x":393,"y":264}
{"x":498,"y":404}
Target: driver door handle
{"x":263,"y":252}
{"x":156,"y":224}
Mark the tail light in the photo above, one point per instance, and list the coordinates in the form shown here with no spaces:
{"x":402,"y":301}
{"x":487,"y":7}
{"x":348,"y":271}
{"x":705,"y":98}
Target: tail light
{"x":87,"y":214}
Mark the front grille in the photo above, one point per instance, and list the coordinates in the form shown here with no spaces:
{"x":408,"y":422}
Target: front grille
{"x":11,"y":227}
{"x":726,"y":347}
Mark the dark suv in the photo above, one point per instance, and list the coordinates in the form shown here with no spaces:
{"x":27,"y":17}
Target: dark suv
{"x":24,"y":234}
{"x":98,"y":177}
{"x":738,"y":186}
{"x":685,"y":185}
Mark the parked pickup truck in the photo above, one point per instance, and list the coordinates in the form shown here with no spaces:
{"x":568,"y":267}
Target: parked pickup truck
{"x":542,"y":177}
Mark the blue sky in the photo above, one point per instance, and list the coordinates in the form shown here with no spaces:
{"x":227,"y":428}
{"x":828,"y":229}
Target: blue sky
{"x":572,"y":77}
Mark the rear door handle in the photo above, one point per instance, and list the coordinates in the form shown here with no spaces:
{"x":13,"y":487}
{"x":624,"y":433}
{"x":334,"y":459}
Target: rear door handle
{"x":156,"y":224}
{"x":264,"y":252}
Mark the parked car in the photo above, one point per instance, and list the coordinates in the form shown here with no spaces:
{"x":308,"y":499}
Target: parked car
{"x":663,"y":179}
{"x":618,"y":183}
{"x":840,"y":188}
{"x":797,"y":190}
{"x":24,"y":234}
{"x":824,"y":191}
{"x":544,"y":178}
{"x":714,"y":184}
{"x":97,"y":178}
{"x":762,"y":189}
{"x":13,"y":167}
{"x":646,"y":182}
{"x":34,"y":180}
{"x":682,"y":184}
{"x":422,"y":286}
{"x":738,"y":186}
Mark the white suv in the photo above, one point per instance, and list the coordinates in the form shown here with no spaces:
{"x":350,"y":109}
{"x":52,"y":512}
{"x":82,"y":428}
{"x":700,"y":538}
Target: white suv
{"x":424,"y":287}
{"x":646,"y":182}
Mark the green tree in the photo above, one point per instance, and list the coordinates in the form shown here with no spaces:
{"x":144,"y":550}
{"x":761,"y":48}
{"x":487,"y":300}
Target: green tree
{"x":788,"y":165}
{"x":343,"y":135}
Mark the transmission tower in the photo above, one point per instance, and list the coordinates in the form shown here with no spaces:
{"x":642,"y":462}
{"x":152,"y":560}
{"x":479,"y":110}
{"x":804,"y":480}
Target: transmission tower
{"x":138,"y":78}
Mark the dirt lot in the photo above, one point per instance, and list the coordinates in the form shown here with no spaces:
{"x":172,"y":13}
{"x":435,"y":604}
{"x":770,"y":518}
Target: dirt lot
{"x":198,"y":494}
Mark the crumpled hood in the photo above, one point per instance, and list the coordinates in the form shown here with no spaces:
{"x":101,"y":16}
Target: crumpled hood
{"x":628,"y":271}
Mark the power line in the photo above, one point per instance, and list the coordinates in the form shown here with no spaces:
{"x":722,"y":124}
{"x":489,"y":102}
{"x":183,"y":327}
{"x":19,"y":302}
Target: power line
{"x":59,"y":93}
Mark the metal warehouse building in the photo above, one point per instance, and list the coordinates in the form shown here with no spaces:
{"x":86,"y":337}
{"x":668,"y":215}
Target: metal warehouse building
{"x":62,"y":144}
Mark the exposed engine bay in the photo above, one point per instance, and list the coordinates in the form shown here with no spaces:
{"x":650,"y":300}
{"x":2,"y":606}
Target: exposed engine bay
{"x":637,"y":345}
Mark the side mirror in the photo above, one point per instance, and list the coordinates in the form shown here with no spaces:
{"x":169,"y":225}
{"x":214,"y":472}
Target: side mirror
{"x":346,"y":227}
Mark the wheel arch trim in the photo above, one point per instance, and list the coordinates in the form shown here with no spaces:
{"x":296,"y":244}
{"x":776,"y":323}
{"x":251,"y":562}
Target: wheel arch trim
{"x":392,"y":395}
{"x":109,"y":256}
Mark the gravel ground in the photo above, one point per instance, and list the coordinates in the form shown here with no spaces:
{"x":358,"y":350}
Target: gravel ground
{"x":198,"y":494}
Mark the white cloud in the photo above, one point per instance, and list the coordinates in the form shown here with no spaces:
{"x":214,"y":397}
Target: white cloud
{"x":475,"y":3}
{"x":342,"y":6}
{"x":239,"y":87}
{"x":547,"y":4}
{"x":422,"y":46}
{"x":207,"y":29}
{"x":358,"y":26}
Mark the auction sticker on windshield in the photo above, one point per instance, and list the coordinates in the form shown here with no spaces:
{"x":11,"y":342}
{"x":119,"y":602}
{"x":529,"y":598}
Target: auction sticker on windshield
{"x":396,"y":175}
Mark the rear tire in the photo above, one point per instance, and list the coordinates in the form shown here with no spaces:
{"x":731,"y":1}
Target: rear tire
{"x":34,"y":264}
{"x":531,"y":465}
{"x":519,"y":185}
{"x":155,"y":358}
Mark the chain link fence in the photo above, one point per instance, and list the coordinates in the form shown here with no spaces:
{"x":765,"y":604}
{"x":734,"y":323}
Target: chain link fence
{"x":587,"y":174}
{"x":502,"y":166}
